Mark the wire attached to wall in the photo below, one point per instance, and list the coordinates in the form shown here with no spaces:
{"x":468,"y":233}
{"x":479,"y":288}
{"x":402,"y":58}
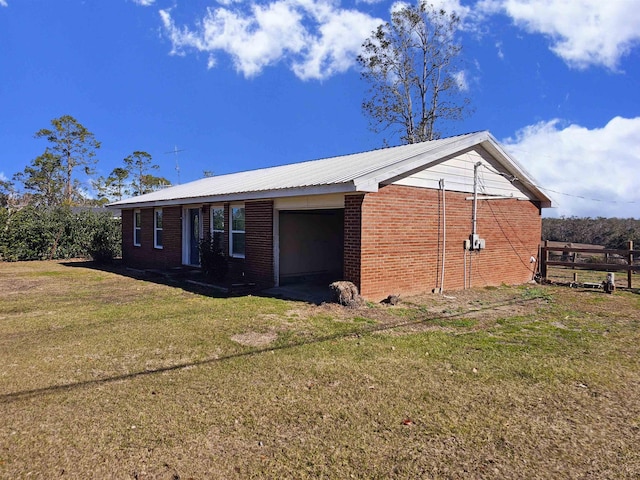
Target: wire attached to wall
{"x":507,"y":237}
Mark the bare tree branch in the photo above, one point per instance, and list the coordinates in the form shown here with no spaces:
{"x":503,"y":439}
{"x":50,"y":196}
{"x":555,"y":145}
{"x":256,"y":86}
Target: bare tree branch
{"x":410,"y":64}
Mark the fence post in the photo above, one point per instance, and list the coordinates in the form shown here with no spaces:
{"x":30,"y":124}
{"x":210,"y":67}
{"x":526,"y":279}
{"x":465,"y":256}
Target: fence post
{"x":630,"y":271}
{"x":544,"y":258}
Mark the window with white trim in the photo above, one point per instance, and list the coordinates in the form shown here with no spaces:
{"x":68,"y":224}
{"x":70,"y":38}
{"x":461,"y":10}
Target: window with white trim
{"x":157,"y":228}
{"x":217,"y":222}
{"x":237,"y":234}
{"x":137,"y":228}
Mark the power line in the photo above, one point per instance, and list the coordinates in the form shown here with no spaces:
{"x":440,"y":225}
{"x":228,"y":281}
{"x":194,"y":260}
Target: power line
{"x":512,"y":179}
{"x":582,"y":197}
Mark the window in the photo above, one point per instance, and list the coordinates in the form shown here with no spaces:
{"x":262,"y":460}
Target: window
{"x":236,"y":247}
{"x":157,"y":228}
{"x":217,"y":222}
{"x":137,"y":228}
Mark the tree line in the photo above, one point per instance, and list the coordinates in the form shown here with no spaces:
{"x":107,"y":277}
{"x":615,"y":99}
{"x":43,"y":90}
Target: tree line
{"x":613,"y":233}
{"x":45,"y":211}
{"x":53,"y":178}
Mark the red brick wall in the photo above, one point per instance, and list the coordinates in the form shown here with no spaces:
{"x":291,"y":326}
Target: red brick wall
{"x":146,"y":255}
{"x":257,"y":266}
{"x":352,"y":237}
{"x":258,"y":262}
{"x":392,"y":241}
{"x":400,"y":250}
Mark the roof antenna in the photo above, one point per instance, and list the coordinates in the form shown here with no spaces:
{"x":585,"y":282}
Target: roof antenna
{"x":175,"y":152}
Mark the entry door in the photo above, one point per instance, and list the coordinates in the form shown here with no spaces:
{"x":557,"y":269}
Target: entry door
{"x":194,"y":236}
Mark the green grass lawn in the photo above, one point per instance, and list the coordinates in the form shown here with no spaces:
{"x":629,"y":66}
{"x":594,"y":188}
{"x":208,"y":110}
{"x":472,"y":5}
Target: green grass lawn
{"x":107,"y":376}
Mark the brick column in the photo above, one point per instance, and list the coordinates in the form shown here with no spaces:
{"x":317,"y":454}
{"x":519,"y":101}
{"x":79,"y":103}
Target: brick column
{"x":352,"y":237}
{"x":127,"y":236}
{"x":259,"y":242}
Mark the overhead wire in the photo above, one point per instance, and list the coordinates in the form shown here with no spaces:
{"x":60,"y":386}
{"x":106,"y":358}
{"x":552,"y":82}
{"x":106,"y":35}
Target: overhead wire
{"x":513,"y":178}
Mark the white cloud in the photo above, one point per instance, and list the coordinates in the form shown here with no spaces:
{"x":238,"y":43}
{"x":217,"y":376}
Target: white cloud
{"x":3,"y":3}
{"x":452,"y":6}
{"x":461,"y":80}
{"x":227,"y":3}
{"x":314,"y":37}
{"x":144,"y":3}
{"x":599,"y":164}
{"x":470,"y":17}
{"x":318,"y":38}
{"x":583,"y":32}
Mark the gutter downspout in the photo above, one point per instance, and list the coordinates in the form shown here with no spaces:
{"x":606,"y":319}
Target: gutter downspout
{"x":464,"y":278}
{"x":475,"y":197}
{"x":444,"y":234}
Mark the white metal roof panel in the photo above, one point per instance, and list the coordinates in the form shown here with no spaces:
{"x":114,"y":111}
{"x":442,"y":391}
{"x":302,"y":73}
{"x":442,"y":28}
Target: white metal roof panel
{"x":355,"y":172}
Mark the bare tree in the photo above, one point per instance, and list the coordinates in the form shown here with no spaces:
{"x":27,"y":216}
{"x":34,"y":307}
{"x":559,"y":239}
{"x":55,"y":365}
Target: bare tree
{"x":412,"y":66}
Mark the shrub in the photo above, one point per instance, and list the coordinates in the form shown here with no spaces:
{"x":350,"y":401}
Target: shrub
{"x":213,"y":261}
{"x":106,"y":240}
{"x":29,"y":235}
{"x":39,"y":234}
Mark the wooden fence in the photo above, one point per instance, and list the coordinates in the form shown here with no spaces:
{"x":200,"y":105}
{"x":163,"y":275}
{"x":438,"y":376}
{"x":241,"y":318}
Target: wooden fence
{"x":599,"y":259}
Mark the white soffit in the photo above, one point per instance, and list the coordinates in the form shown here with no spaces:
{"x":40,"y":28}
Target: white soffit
{"x":309,"y":202}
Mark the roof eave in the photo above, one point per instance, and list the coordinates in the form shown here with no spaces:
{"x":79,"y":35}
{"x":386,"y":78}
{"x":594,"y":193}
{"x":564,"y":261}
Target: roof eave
{"x":347,"y":187}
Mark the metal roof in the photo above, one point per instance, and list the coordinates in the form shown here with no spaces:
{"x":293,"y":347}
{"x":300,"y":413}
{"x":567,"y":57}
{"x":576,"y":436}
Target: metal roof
{"x":348,"y":173}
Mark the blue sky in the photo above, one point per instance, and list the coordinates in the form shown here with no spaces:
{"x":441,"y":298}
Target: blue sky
{"x":238,"y":85}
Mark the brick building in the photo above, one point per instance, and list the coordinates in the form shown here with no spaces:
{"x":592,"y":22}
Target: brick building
{"x":450,"y":213}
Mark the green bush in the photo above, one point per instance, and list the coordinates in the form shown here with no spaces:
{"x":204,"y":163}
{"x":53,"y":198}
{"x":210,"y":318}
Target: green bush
{"x":29,"y":235}
{"x":106,"y":241}
{"x":213,"y":261}
{"x":40,"y":234}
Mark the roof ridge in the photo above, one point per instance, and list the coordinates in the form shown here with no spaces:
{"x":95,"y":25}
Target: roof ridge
{"x":386,"y":148}
{"x":335,"y":156}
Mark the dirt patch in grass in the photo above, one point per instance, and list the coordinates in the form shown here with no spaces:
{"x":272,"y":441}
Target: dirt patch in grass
{"x":510,"y":382}
{"x":469,"y":310}
{"x":255,"y":339}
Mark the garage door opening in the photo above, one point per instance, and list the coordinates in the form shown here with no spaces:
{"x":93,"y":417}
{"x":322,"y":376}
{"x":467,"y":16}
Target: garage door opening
{"x":311,"y":246}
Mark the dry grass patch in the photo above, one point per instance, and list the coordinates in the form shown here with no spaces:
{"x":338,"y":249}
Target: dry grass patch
{"x":169,"y":384}
{"x":255,"y":339}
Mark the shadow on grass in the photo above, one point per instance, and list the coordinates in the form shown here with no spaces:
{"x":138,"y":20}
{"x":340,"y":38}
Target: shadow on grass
{"x":192,"y":280}
{"x":26,"y":394}
{"x":189,"y":279}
